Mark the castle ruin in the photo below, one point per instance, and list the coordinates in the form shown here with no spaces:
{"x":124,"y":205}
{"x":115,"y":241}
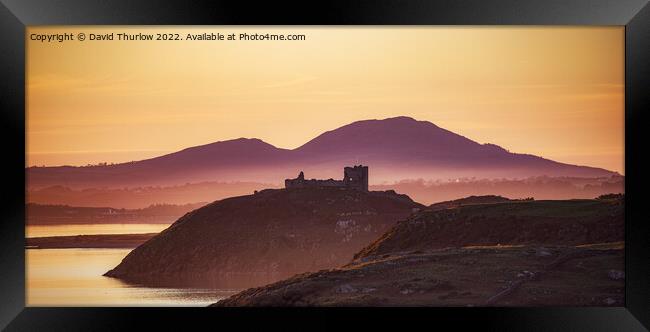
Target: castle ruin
{"x":353,"y":177}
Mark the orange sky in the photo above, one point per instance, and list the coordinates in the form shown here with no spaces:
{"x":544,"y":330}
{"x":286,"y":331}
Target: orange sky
{"x":555,"y":92}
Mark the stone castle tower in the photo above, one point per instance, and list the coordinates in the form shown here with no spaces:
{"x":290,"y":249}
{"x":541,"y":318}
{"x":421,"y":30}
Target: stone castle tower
{"x":356,"y":177}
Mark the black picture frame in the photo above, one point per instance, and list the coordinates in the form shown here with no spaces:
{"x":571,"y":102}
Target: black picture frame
{"x":15,"y":15}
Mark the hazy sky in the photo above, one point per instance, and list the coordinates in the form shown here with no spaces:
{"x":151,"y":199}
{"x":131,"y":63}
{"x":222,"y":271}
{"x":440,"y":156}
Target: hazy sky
{"x":554,"y":92}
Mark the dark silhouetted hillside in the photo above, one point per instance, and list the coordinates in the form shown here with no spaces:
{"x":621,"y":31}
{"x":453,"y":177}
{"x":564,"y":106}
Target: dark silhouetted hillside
{"x":526,"y":253}
{"x":568,"y":222}
{"x":256,"y":239}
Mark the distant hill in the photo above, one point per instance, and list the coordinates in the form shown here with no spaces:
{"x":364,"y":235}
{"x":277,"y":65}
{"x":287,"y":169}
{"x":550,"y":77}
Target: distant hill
{"x":46,"y":214}
{"x":256,"y":239}
{"x":142,"y":197}
{"x":394,"y":148}
{"x":424,"y":192}
{"x":541,"y":188}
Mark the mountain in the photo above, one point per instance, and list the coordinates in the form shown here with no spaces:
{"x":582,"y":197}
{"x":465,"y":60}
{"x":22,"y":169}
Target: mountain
{"x":406,"y":148}
{"x":256,"y":239}
{"x":226,"y":161}
{"x":395,"y":149}
{"x":400,"y":138}
{"x":508,"y":253}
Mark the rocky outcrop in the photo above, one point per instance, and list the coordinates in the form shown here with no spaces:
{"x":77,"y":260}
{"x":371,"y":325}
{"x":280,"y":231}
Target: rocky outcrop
{"x":561,"y":222}
{"x":514,"y":253}
{"x":506,"y":276}
{"x":257,"y":239}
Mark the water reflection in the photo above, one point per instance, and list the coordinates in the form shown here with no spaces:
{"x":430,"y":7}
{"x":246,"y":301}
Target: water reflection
{"x":73,"y":277}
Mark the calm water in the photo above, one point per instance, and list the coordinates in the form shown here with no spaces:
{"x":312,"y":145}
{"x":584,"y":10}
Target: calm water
{"x":73,"y":277}
{"x":82,"y":229}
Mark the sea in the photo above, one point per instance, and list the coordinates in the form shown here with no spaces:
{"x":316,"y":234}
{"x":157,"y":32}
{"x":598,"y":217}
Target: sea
{"x":73,"y":277}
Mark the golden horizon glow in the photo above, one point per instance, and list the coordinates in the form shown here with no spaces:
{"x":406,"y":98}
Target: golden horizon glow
{"x":556,"y":92}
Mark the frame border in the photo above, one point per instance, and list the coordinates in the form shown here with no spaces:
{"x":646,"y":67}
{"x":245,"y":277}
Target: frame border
{"x":15,"y":15}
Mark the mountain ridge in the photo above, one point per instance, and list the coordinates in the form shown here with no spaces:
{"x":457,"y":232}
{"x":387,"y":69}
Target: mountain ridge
{"x":389,"y":146}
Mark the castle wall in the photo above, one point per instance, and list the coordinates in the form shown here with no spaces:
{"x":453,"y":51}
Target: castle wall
{"x":353,"y":177}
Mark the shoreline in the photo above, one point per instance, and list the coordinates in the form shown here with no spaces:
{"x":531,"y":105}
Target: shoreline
{"x":125,"y":241}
